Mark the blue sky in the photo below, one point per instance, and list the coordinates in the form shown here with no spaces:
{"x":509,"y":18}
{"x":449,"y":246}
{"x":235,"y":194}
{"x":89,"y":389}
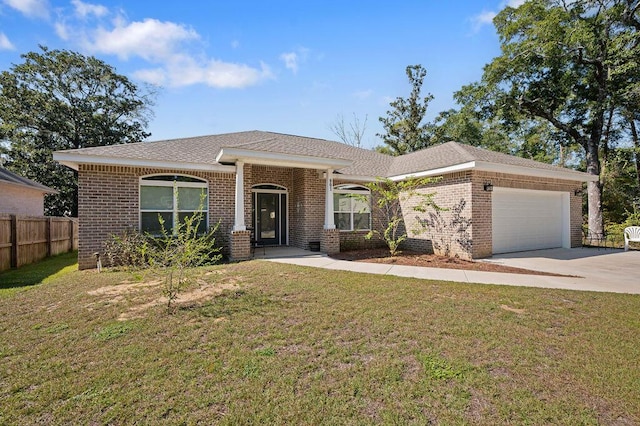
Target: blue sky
{"x":282,"y":66}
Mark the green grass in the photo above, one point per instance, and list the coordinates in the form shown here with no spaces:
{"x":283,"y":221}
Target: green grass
{"x":37,"y":273}
{"x":281,"y":344}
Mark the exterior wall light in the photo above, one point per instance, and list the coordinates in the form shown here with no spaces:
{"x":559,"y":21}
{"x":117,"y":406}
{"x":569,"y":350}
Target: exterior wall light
{"x":577,"y":191}
{"x":488,"y":186}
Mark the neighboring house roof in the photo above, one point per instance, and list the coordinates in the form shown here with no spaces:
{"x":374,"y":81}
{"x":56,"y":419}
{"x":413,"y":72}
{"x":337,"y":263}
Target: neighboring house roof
{"x":11,"y":178}
{"x":217,"y":152}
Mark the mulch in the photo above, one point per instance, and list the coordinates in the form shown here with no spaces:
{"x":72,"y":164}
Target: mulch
{"x":410,"y":258}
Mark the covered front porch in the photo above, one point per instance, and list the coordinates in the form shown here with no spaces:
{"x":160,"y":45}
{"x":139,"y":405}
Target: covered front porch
{"x":283,"y":203}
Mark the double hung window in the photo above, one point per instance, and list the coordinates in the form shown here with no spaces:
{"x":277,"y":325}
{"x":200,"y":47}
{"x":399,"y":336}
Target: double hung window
{"x":352,"y":208}
{"x":172,"y":198}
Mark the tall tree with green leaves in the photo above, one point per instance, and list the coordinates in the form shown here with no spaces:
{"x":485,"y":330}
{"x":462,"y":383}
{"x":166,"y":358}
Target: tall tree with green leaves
{"x":59,"y":99}
{"x":567,"y":63}
{"x":404,"y":123}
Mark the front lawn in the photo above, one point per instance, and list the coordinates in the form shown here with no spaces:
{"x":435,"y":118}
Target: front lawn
{"x":259,"y":342}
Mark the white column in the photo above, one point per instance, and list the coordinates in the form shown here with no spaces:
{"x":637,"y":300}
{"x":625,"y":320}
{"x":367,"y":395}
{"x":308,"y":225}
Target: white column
{"x":328,"y":202}
{"x":239,"y":220}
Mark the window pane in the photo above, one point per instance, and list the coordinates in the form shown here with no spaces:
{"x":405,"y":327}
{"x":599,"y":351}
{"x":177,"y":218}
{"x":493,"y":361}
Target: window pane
{"x":360,"y":206}
{"x":151,"y":224}
{"x":341,"y":202}
{"x":202,"y":225}
{"x":156,"y":198}
{"x":189,"y":198}
{"x":361,"y":221}
{"x":343,"y":221}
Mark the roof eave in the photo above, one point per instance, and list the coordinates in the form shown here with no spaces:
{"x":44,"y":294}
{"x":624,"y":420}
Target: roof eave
{"x":43,"y":189}
{"x":559,"y":173}
{"x":483,"y":166}
{"x":435,"y":172}
{"x":265,"y":158}
{"x":74,"y":160}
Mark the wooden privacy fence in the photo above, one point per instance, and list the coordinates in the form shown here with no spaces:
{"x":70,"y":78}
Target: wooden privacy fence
{"x":27,"y":239}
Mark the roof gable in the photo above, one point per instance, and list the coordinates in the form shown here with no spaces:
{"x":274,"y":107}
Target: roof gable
{"x":14,"y":179}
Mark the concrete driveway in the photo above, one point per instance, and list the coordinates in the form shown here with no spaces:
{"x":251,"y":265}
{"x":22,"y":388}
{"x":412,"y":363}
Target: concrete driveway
{"x":599,"y":269}
{"x":590,"y":269}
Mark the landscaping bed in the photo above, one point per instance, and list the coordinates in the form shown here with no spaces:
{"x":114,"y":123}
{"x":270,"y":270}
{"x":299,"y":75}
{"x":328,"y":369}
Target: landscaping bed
{"x":411,"y":258}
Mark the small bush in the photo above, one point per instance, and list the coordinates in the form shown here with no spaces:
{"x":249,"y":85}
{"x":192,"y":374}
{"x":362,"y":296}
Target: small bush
{"x":129,"y":249}
{"x":172,"y":254}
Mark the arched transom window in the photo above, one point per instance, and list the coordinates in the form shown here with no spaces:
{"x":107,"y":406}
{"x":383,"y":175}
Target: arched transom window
{"x":352,"y":208}
{"x":172,"y":198}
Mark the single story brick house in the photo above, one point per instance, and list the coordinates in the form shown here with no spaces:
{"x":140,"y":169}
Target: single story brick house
{"x":276,"y":189}
{"x":21,"y":196}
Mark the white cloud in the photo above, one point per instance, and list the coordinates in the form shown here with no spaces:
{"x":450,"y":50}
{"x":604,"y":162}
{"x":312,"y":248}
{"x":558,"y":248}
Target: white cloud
{"x":486,"y":17}
{"x":5,"y":43}
{"x":87,"y":9}
{"x":157,"y":76}
{"x":149,"y":39}
{"x":168,"y":49}
{"x":513,"y":3}
{"x":30,"y":8}
{"x":292,"y":60}
{"x":172,"y":51}
{"x":184,"y":70}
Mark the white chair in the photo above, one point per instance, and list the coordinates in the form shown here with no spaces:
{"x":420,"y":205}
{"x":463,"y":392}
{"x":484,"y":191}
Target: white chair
{"x":632,"y":233}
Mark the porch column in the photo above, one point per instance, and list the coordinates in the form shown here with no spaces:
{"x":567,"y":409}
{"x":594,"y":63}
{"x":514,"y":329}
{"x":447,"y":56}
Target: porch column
{"x":328,"y":202}
{"x":239,"y":220}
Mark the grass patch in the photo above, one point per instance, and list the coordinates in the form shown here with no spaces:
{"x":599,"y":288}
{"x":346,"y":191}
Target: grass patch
{"x":113,"y":331}
{"x":37,"y":273}
{"x":264,"y":343}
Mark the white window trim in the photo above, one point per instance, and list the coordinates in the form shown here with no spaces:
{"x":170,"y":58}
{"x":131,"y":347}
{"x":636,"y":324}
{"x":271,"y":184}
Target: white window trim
{"x":175,"y":185}
{"x":353,"y":189}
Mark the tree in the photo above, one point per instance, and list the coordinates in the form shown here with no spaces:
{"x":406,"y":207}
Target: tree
{"x":568,"y":63}
{"x":352,"y":133}
{"x":387,"y":208}
{"x":405,"y":130}
{"x":58,"y":99}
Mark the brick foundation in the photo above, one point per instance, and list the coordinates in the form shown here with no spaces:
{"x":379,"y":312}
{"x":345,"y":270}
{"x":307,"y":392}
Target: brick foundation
{"x":330,"y":241}
{"x":240,"y":245}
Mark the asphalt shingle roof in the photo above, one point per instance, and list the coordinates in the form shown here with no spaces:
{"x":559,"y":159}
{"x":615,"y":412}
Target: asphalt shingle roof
{"x":10,"y":177}
{"x":453,"y":153}
{"x":204,"y":149}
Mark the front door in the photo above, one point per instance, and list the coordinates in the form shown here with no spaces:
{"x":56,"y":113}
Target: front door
{"x":267,"y":218}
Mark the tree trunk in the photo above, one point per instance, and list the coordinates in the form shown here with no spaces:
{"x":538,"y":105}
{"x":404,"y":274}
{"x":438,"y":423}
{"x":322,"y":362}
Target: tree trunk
{"x":594,"y":189}
{"x":636,"y":151}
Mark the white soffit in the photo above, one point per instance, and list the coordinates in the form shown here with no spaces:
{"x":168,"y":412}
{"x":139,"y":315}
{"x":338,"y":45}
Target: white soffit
{"x":502,"y":168}
{"x":530,"y":171}
{"x":263,"y":158}
{"x":74,"y":160}
{"x":436,"y":172}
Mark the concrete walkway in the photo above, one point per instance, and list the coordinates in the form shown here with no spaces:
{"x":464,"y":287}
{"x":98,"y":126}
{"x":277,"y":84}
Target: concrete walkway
{"x":595,"y":270}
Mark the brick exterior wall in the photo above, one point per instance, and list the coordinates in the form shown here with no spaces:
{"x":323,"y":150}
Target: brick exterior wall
{"x":442,"y":232}
{"x":21,"y":200}
{"x":465,"y":229}
{"x":108,"y":203}
{"x":330,"y":242}
{"x":240,"y":247}
{"x":307,"y":218}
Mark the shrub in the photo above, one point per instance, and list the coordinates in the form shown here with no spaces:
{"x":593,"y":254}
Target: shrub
{"x":129,"y":249}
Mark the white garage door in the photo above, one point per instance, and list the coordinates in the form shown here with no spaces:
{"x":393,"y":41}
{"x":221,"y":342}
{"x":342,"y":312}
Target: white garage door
{"x":529,"y":220}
